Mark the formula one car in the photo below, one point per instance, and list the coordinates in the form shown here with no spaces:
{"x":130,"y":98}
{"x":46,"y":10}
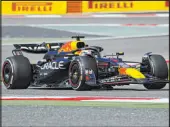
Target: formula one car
{"x":81,"y":67}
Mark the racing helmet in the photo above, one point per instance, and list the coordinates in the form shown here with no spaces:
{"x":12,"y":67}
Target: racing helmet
{"x":85,"y":52}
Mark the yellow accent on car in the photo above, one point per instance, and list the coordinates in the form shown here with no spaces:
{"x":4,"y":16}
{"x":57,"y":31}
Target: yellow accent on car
{"x":74,"y":45}
{"x":134,"y":73}
{"x":48,"y":46}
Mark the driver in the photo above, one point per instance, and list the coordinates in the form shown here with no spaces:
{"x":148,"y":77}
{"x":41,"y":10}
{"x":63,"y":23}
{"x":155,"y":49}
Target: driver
{"x":84,"y":52}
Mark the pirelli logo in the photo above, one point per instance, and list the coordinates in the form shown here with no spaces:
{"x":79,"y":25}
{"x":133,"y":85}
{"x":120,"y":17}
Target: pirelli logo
{"x":109,"y":4}
{"x":32,"y":6}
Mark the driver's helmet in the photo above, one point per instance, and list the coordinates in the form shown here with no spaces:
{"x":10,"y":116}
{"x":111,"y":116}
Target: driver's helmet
{"x":85,"y":52}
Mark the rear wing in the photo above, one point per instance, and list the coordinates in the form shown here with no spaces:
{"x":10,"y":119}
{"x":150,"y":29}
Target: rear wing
{"x":38,"y":48}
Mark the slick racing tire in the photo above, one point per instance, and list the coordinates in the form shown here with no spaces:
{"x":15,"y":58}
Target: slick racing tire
{"x":16,"y":72}
{"x":77,"y":76}
{"x":159,"y":69}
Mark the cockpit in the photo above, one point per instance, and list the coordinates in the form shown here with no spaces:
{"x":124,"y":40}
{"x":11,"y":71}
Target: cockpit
{"x":91,"y":52}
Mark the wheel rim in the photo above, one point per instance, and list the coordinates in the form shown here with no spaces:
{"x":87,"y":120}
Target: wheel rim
{"x":75,"y":75}
{"x":7,"y":73}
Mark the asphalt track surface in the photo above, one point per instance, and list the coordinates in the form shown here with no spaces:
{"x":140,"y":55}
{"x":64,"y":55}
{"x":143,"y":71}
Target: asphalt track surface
{"x":134,"y":48}
{"x":137,"y":20}
{"x":26,"y":32}
{"x":78,"y":116}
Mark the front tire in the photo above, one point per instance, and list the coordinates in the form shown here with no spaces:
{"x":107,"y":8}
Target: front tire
{"x":16,"y":72}
{"x":77,"y":76}
{"x":159,"y":69}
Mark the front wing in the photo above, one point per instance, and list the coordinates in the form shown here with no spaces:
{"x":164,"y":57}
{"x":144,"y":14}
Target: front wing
{"x":127,"y":81}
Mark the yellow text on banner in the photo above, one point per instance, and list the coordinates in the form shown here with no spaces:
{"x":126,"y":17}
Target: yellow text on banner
{"x":124,"y":6}
{"x":33,"y":7}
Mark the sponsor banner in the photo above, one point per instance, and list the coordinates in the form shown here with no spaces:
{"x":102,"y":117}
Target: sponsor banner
{"x":33,"y":7}
{"x":125,"y":6}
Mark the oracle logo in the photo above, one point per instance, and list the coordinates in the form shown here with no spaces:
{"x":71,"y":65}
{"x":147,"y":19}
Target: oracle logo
{"x":32,"y":6}
{"x":109,"y":4}
{"x":53,"y":65}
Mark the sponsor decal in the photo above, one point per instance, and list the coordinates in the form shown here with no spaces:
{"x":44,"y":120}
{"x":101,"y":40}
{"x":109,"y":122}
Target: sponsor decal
{"x":109,"y":4}
{"x":39,"y":48}
{"x":53,"y":65}
{"x":33,"y":48}
{"x":125,"y":6}
{"x":32,"y":6}
{"x":66,"y":47}
{"x":90,"y":77}
{"x":88,"y":71}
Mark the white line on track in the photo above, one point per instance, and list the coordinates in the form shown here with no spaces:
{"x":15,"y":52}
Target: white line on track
{"x":131,"y":15}
{"x":43,"y":16}
{"x":162,"y":100}
{"x":120,"y":25}
{"x":163,"y":15}
{"x":94,"y":15}
{"x":98,"y":15}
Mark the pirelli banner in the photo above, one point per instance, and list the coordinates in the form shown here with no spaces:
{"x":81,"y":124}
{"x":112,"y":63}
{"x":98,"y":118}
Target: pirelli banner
{"x":124,"y":6}
{"x":33,"y":7}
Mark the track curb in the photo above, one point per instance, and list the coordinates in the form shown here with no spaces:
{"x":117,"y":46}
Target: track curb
{"x":91,"y":98}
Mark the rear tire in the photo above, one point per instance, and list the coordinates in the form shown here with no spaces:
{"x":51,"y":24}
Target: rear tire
{"x":78,"y":67}
{"x":16,"y":72}
{"x":159,"y":69}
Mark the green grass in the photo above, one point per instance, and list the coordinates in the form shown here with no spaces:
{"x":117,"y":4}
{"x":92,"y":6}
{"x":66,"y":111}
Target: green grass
{"x":84,"y":104}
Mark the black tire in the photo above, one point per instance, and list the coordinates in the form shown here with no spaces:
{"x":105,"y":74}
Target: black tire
{"x":159,"y":69}
{"x":16,"y":72}
{"x":76,"y":65}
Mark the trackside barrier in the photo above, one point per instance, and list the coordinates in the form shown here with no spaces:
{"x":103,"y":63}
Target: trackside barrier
{"x":33,"y":7}
{"x":65,"y":7}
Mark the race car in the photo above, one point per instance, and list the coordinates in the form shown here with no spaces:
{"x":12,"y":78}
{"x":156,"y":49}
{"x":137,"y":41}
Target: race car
{"x":81,"y":67}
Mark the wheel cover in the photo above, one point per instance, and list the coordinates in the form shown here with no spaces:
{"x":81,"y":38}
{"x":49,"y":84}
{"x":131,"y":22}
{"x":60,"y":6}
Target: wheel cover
{"x":7,"y":73}
{"x":75,"y":75}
